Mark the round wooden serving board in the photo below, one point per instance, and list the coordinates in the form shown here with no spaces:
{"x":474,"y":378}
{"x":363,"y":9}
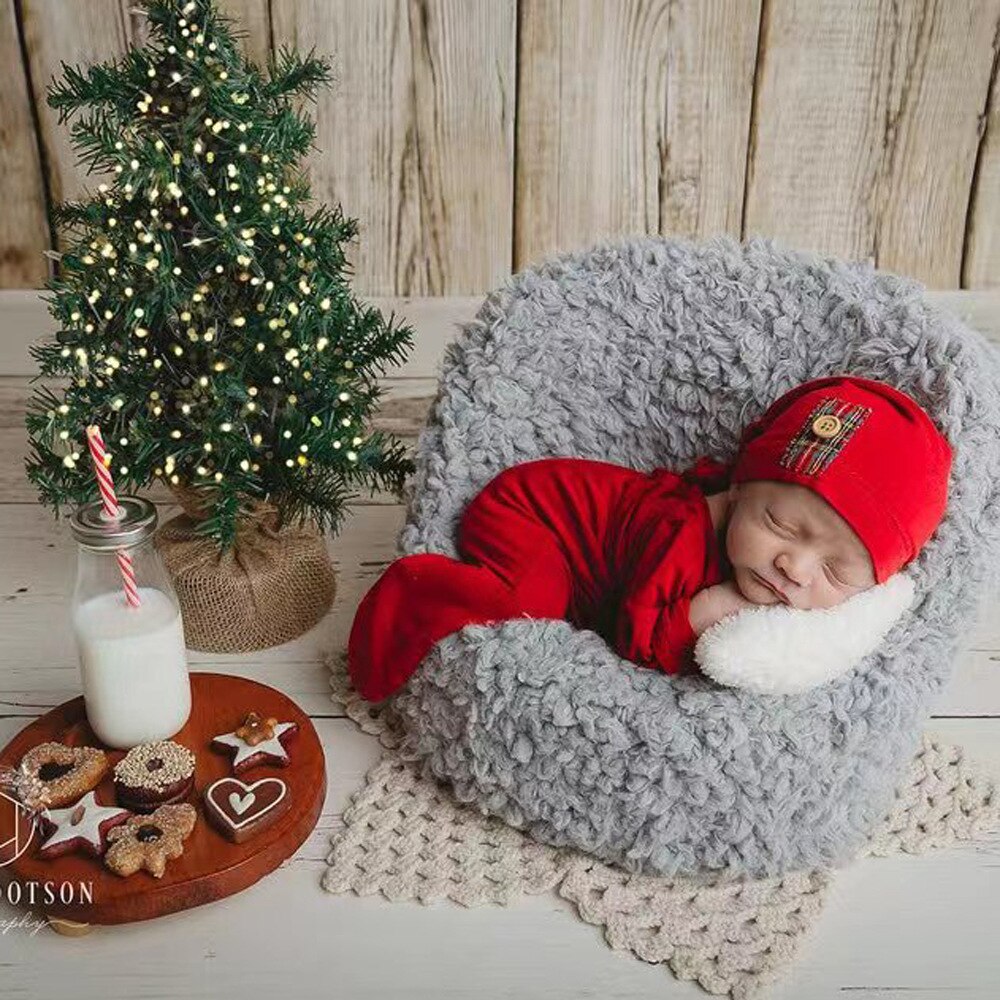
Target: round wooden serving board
{"x":212,"y":866}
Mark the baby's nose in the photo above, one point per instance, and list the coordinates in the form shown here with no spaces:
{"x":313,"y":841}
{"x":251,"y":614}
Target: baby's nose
{"x":794,"y":570}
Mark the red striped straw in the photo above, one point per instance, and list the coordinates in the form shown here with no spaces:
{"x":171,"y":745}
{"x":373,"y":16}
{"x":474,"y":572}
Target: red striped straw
{"x":102,"y":460}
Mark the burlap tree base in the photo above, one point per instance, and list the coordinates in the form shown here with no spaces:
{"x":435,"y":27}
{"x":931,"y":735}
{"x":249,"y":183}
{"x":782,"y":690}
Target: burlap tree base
{"x":275,"y":583}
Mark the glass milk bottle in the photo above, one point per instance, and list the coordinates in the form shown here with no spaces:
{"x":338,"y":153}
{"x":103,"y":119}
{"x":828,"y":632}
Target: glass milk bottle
{"x":133,"y":662}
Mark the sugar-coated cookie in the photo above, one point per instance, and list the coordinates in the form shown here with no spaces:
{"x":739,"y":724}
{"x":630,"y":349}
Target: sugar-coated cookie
{"x":54,"y":774}
{"x":81,"y":826}
{"x":257,"y":741}
{"x":154,"y":774}
{"x":149,"y":842}
{"x":239,"y":810}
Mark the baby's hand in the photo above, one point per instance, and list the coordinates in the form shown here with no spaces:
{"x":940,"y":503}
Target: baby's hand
{"x":713,"y":604}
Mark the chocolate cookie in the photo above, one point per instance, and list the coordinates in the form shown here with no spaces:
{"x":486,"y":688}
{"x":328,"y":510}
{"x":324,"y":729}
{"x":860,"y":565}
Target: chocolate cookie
{"x":239,"y":811}
{"x":154,"y":774}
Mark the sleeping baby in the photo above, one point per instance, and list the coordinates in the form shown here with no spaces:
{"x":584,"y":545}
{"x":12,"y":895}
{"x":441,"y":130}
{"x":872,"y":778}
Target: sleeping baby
{"x":836,"y":487}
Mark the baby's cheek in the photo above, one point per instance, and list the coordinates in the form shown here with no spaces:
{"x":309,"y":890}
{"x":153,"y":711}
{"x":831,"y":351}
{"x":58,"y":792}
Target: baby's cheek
{"x":745,"y":544}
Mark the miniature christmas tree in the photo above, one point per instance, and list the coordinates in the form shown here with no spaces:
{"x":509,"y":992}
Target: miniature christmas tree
{"x":204,"y":320}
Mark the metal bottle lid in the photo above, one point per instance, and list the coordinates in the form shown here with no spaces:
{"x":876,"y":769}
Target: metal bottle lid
{"x":92,"y":528}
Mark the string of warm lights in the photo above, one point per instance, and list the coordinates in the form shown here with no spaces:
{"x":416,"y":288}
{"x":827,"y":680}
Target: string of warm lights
{"x":204,"y":318}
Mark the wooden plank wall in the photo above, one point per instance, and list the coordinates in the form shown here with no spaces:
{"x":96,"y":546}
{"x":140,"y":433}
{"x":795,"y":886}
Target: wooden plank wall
{"x":472,"y":137}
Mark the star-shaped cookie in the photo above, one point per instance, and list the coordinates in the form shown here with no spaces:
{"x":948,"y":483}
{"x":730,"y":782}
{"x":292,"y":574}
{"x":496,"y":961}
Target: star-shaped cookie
{"x":258,"y":741}
{"x":82,"y":825}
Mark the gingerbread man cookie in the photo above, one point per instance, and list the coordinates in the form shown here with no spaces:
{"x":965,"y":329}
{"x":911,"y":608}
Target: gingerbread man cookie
{"x":150,"y":841}
{"x":81,"y":826}
{"x":258,"y":741}
{"x":54,"y":774}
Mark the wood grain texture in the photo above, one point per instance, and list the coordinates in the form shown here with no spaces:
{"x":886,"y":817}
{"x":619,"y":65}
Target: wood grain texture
{"x":415,"y":139}
{"x":211,"y":866}
{"x":632,"y":117}
{"x":866,"y":128}
{"x":470,"y":138}
{"x":981,"y":266}
{"x":78,"y":34}
{"x":24,"y":227}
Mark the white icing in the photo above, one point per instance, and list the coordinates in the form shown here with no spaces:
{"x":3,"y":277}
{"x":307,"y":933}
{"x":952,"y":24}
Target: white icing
{"x":244,"y":750}
{"x":248,"y":790}
{"x":87,"y":825}
{"x":240,"y":804}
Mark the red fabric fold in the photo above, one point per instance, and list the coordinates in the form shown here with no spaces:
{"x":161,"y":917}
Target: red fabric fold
{"x":609,"y":548}
{"x":667,"y":550}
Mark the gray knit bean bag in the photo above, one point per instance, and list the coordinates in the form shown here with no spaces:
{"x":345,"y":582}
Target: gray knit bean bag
{"x":650,"y":352}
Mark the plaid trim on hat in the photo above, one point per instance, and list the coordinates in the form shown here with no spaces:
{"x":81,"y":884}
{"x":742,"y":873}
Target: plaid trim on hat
{"x":810,"y":453}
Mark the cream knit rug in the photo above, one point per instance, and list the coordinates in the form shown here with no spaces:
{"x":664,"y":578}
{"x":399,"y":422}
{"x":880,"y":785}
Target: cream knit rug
{"x":407,"y":838}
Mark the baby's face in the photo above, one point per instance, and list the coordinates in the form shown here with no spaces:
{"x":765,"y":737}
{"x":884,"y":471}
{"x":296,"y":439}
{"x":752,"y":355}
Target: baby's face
{"x":797,"y":542}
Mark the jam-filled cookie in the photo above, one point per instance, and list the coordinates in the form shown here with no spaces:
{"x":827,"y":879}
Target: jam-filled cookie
{"x":149,"y":842}
{"x":53,"y":774}
{"x":81,"y":826}
{"x":257,"y":741}
{"x":154,"y":774}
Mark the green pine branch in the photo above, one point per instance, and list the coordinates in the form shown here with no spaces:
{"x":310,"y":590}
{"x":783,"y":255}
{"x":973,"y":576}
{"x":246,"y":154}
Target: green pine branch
{"x":204,"y":318}
{"x":292,"y":75}
{"x":99,"y":85}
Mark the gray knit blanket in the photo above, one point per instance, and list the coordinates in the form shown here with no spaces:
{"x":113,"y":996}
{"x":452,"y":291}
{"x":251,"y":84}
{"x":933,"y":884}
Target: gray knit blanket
{"x":650,"y":352}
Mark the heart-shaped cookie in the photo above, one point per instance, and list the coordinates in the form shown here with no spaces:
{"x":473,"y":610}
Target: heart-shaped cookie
{"x":239,"y":810}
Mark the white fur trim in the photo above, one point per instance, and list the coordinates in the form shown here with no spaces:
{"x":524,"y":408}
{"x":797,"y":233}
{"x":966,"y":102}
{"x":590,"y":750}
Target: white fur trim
{"x":775,"y":649}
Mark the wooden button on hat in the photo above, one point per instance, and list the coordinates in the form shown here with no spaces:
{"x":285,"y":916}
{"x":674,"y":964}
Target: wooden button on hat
{"x":826,"y":426}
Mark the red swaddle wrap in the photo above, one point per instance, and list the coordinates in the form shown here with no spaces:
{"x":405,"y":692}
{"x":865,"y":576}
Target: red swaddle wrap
{"x":606,"y":547}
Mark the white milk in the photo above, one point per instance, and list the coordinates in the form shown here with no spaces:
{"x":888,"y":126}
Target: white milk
{"x":133,"y":665}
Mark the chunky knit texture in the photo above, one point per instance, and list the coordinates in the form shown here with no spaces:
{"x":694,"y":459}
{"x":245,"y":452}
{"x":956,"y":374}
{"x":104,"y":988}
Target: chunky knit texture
{"x":404,"y":836}
{"x":650,"y":352}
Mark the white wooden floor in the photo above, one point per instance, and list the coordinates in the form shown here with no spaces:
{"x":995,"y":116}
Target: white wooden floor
{"x":923,"y":926}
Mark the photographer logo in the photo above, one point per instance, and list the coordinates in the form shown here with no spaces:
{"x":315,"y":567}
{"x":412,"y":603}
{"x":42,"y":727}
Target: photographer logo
{"x":17,"y":831}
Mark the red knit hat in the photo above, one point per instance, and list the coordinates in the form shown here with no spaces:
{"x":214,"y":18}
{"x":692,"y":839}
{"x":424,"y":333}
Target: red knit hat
{"x":864,"y":446}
